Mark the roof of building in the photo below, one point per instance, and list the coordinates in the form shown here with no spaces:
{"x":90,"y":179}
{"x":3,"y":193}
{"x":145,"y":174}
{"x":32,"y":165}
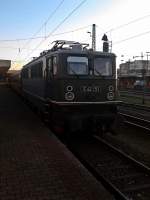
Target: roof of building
{"x":4,"y":66}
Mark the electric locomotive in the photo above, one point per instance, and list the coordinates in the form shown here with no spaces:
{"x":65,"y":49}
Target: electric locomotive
{"x":74,"y":86}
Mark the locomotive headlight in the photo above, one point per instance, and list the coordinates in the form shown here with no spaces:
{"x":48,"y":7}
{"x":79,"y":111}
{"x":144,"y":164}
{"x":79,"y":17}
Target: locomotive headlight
{"x":110,"y":95}
{"x":111,"y":88}
{"x":69,"y":88}
{"x":69,"y":96}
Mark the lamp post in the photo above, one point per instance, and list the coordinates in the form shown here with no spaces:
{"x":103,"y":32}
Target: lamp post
{"x":122,"y":58}
{"x":93,"y":36}
{"x":143,"y":76}
{"x":90,"y":33}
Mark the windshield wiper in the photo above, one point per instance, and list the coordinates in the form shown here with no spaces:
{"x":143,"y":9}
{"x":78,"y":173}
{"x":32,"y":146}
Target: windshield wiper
{"x":97,"y":72}
{"x":74,"y":72}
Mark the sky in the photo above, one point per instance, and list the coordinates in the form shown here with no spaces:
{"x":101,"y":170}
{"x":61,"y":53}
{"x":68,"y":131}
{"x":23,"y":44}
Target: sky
{"x":126,"y":23}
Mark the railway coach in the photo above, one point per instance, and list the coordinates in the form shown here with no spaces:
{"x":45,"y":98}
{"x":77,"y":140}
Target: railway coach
{"x":75,"y":87}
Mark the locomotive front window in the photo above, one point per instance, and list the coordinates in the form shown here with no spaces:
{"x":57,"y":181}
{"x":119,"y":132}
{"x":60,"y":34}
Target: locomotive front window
{"x":77,"y":65}
{"x":102,"y":67}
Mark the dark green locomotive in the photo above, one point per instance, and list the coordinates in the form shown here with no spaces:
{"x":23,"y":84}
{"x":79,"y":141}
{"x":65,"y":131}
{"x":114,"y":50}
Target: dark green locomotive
{"x":73,"y":85}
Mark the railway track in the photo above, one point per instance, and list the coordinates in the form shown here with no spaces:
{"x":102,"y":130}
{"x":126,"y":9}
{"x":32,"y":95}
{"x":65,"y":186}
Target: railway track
{"x":134,"y":92}
{"x":122,"y":175}
{"x":134,"y":106}
{"x":136,"y":121}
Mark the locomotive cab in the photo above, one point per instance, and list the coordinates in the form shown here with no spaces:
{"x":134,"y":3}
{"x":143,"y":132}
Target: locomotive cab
{"x":81,"y":86}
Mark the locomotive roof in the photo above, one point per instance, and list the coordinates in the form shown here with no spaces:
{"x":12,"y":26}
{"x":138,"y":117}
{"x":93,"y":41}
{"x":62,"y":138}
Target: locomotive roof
{"x":69,"y":47}
{"x":67,"y":51}
{"x":86,"y":52}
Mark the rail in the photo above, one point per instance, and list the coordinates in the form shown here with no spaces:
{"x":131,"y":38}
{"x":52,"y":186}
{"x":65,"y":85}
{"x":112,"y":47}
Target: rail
{"x":122,"y":175}
{"x":136,"y":106}
{"x":136,"y":121}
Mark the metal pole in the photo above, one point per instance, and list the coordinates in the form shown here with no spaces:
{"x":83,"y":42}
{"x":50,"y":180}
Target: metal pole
{"x":94,"y":37}
{"x":143,"y":77}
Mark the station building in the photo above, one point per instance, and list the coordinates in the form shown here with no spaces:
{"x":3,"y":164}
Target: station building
{"x":4,"y":67}
{"x":133,"y":75}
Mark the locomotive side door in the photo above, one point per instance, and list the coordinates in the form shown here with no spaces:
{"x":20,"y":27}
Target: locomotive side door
{"x":51,"y":76}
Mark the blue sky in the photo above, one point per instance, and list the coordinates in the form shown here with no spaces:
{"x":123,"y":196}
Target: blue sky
{"x":22,"y":18}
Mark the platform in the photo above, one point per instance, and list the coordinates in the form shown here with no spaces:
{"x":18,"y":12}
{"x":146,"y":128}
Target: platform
{"x":34,"y":165}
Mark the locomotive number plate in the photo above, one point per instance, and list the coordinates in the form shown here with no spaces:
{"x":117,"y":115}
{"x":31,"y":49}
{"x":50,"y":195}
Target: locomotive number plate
{"x":95,"y":89}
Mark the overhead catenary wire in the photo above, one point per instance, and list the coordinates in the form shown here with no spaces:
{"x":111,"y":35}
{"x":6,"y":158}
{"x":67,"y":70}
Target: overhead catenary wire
{"x":10,"y":47}
{"x":41,"y":37}
{"x":44,"y":24}
{"x":115,"y":28}
{"x":128,"y":23}
{"x":61,"y":33}
{"x":50,"y":34}
{"x":71,"y":31}
{"x":21,"y":39}
{"x":46,"y":21}
{"x":132,"y":37}
{"x":123,"y":25}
